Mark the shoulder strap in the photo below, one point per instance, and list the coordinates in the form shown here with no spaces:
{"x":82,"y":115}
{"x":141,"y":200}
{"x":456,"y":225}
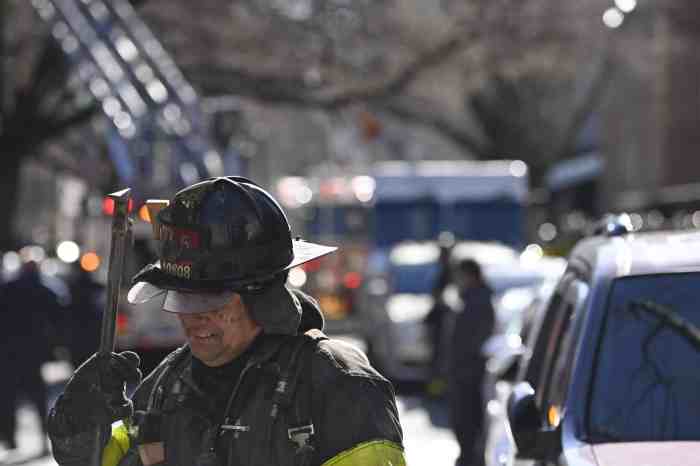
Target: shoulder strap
{"x":299,"y":368}
{"x":165,"y":378}
{"x":288,"y":378}
{"x":149,"y":420}
{"x":301,"y":429}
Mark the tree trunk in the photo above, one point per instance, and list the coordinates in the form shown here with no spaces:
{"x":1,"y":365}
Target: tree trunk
{"x":9,"y":188}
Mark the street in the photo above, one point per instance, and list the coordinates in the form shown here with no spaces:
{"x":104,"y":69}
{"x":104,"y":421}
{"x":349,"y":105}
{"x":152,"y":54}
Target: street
{"x":427,"y":437}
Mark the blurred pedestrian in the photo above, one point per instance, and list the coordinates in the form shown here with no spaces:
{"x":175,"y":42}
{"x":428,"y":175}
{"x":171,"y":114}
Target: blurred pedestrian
{"x":32,"y":304}
{"x":436,"y":317}
{"x":473,"y":326}
{"x":88,"y":299}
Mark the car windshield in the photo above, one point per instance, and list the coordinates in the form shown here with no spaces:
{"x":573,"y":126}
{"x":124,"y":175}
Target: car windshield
{"x":647,"y":376}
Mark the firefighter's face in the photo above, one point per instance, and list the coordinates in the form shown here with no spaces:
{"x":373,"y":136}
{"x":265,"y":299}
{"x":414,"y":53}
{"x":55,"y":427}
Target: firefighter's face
{"x":219,"y":336}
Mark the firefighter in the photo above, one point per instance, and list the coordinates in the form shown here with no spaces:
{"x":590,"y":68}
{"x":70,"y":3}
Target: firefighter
{"x":255,"y":383}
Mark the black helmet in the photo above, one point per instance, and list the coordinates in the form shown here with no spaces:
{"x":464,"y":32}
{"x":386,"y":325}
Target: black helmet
{"x":224,"y":233}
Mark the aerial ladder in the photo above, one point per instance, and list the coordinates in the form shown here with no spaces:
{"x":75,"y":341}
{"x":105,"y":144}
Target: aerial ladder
{"x":158,"y":134}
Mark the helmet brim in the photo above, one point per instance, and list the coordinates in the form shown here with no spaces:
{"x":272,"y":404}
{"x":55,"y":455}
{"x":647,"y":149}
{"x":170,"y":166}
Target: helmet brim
{"x":305,"y":252}
{"x":186,"y":297}
{"x":179,"y":302}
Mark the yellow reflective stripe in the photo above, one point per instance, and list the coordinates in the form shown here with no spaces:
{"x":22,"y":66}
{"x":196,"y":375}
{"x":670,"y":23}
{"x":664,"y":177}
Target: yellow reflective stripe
{"x":117,"y":446}
{"x":374,"y":453}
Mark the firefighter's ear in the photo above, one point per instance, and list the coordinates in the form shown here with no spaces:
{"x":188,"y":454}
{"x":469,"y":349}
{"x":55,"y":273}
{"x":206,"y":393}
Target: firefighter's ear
{"x":154,"y":206}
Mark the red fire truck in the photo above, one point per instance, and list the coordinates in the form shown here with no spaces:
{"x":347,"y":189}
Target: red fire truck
{"x":331,"y":210}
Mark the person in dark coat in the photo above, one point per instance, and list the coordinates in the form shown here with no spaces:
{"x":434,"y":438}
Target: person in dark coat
{"x":473,"y":326}
{"x":32,"y":304}
{"x":88,"y":298}
{"x":436,"y":317}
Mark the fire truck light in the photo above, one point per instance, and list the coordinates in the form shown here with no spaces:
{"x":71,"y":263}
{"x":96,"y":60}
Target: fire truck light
{"x":363,"y":187}
{"x":518,"y":168}
{"x":108,"y":205}
{"x":68,"y":251}
{"x":312,"y":265}
{"x":304,"y":195}
{"x":297,"y":277}
{"x":90,"y":261}
{"x":143,"y":214}
{"x":293,"y":191}
{"x":352,"y":280}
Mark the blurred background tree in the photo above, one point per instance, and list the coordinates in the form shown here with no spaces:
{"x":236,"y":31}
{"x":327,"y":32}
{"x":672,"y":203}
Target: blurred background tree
{"x":41,"y":102}
{"x":497,"y":79}
{"x":317,"y":81}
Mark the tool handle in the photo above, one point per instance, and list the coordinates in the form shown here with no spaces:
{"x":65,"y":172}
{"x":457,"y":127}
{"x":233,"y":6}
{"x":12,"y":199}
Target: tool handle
{"x":121,"y":230}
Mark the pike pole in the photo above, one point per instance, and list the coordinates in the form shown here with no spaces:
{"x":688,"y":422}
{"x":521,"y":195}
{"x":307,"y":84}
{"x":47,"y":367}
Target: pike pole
{"x":121,"y":229}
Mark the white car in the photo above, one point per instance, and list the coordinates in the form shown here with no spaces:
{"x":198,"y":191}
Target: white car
{"x":610,"y":376}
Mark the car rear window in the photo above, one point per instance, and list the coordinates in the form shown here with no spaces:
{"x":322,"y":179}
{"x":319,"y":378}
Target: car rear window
{"x":647,"y":374}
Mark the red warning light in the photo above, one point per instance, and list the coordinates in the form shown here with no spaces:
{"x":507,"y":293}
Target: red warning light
{"x":122,"y":323}
{"x":352,"y":280}
{"x":312,"y":265}
{"x":108,"y":205}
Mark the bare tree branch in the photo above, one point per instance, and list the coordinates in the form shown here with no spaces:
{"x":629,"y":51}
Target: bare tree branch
{"x":454,"y":131}
{"x":273,"y":89}
{"x":19,"y":143}
{"x":50,"y":66}
{"x":56,"y":126}
{"x":587,"y":103}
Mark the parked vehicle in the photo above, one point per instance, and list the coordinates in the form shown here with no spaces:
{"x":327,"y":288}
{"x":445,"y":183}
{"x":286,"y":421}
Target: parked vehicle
{"x":397,"y":298}
{"x":610,"y":373}
{"x":503,"y":365}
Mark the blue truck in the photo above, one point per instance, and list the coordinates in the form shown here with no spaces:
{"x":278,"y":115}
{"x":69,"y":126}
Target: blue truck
{"x":371,"y":214}
{"x":475,"y":200}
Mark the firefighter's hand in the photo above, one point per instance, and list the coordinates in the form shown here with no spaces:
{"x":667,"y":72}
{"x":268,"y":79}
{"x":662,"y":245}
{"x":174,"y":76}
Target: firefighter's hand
{"x":96,"y":395}
{"x":94,"y":398}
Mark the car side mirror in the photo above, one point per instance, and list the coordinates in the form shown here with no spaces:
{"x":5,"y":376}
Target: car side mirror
{"x":525,"y":424}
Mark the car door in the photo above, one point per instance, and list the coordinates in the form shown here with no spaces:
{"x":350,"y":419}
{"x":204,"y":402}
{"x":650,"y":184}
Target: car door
{"x":562,"y":344}
{"x":500,"y":449}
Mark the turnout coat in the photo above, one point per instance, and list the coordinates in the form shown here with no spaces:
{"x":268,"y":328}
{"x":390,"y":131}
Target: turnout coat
{"x":299,"y":400}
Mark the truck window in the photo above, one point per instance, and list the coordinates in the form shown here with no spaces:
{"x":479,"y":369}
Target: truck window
{"x":410,"y":219}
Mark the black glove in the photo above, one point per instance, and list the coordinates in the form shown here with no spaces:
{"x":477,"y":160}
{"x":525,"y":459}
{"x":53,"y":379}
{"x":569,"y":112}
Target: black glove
{"x":94,"y":397}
